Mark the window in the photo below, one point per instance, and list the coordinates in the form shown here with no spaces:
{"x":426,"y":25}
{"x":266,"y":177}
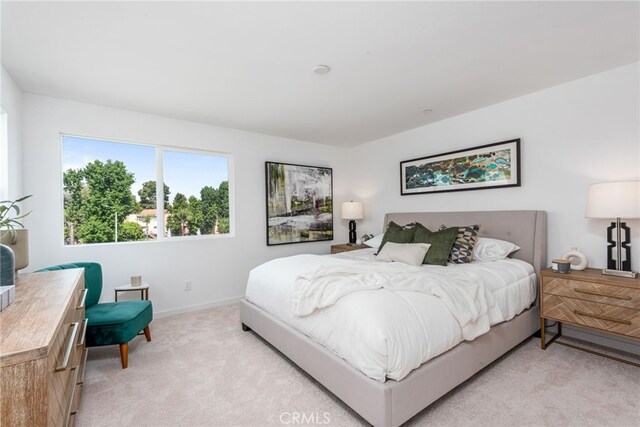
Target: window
{"x":200,"y":204}
{"x":111,"y":192}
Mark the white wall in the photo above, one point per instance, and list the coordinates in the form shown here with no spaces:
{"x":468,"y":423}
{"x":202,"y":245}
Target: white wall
{"x":218,"y":268}
{"x":579,"y":133}
{"x":572,"y":135}
{"x":11,"y":152}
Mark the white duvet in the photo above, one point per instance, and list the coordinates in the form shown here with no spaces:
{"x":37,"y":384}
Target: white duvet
{"x":386,"y":319}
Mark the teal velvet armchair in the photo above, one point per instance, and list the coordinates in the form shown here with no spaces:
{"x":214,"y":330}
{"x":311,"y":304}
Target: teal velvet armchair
{"x":110,"y":323}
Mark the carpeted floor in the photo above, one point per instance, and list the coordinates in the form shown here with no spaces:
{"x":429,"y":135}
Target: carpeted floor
{"x":202,"y":370}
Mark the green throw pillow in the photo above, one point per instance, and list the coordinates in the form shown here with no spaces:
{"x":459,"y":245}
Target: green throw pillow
{"x":397,"y":234}
{"x":441,"y":243}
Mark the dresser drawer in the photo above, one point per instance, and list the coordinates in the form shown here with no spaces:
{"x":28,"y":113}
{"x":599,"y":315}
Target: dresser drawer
{"x":73,"y":396}
{"x":606,"y":317}
{"x":595,"y":292}
{"x":59,"y":379}
{"x":64,"y":359}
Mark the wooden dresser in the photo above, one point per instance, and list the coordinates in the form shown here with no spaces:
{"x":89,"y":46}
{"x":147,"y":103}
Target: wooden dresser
{"x":589,"y":299}
{"x":42,"y":350}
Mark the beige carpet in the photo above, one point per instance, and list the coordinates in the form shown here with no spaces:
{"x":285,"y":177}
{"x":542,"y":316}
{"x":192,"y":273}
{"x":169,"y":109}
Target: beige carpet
{"x":202,"y":370}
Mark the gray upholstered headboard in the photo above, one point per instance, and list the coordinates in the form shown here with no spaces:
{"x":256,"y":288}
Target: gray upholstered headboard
{"x":527,"y":229}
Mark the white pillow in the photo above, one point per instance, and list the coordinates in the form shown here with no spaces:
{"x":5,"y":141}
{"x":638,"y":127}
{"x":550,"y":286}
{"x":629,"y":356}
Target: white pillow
{"x":409,"y":253}
{"x":487,"y":249}
{"x":374,"y":242}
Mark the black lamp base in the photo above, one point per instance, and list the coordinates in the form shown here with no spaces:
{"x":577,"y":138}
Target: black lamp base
{"x":352,"y":232}
{"x":617,"y":246}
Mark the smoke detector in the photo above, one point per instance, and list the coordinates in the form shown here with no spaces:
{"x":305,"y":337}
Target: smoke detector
{"x":321,"y":69}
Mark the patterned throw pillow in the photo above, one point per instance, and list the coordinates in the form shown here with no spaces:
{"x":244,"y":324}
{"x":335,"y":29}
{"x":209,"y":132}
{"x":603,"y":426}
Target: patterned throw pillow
{"x":397,"y":234}
{"x":462,"y":250}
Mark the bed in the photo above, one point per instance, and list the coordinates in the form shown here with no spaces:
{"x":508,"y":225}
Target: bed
{"x":391,"y":403}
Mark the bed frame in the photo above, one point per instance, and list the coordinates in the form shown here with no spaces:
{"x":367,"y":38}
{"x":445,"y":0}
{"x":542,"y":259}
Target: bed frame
{"x":393,"y":402}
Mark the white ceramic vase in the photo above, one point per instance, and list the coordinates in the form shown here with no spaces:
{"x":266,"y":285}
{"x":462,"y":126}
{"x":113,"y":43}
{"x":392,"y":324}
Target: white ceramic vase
{"x":578,"y":259}
{"x":19,"y":244}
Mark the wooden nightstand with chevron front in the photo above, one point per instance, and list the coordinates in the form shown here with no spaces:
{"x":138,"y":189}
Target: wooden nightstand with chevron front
{"x":346,"y":247}
{"x":590,"y":300}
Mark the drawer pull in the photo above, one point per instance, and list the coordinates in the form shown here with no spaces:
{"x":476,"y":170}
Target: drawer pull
{"x":600,"y":294}
{"x":83,"y":299}
{"x":610,"y":319}
{"x":85,"y":353}
{"x":84,"y":330}
{"x":67,"y":353}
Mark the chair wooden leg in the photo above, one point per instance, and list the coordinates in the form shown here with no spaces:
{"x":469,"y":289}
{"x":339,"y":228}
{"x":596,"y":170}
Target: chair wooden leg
{"x":147,"y":333}
{"x":124,"y":354}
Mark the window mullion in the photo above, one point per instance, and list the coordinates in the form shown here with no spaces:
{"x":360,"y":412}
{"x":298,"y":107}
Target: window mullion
{"x":159,"y":195}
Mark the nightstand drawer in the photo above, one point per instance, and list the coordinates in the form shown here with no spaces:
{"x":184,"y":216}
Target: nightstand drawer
{"x":595,"y":292}
{"x":606,"y":317}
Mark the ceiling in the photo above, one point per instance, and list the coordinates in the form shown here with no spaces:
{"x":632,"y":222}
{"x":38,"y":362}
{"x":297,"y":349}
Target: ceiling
{"x":249,"y":66}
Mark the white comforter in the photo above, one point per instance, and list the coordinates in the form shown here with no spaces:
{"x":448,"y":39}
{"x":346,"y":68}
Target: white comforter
{"x":464,"y":295}
{"x":388,"y":319}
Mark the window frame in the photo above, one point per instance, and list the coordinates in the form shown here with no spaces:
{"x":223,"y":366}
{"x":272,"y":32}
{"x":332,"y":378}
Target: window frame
{"x":159,"y":151}
{"x":4,"y":155}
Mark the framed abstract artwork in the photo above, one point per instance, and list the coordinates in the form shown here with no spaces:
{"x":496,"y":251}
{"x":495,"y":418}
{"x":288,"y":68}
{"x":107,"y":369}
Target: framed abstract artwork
{"x":487,"y":166}
{"x":299,"y":203}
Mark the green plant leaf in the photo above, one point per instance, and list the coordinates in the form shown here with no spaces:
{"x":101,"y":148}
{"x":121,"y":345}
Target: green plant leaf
{"x":21,"y":216}
{"x":23,"y":198}
{"x":7,"y":207}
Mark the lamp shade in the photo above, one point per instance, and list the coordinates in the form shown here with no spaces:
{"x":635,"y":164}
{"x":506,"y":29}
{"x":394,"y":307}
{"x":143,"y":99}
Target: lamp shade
{"x":614,"y":200}
{"x":352,"y":210}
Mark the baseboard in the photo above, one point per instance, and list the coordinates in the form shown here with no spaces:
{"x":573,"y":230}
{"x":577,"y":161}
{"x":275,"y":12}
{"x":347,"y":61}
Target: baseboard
{"x":197,"y":307}
{"x":605,"y":340}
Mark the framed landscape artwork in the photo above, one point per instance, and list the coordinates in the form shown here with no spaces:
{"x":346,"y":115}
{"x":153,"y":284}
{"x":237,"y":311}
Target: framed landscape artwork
{"x":487,"y":166}
{"x":299,"y":203}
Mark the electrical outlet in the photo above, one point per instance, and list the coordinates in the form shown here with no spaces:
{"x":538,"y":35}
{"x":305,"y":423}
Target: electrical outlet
{"x":187,"y":285}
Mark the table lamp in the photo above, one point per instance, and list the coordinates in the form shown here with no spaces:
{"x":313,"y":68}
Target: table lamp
{"x":616,"y":200}
{"x":352,"y":211}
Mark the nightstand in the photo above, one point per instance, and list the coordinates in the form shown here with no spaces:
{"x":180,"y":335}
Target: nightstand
{"x":591,"y":300}
{"x":346,"y":247}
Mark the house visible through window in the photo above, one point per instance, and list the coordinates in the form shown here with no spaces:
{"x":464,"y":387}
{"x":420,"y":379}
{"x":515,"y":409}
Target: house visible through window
{"x":111,"y":192}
